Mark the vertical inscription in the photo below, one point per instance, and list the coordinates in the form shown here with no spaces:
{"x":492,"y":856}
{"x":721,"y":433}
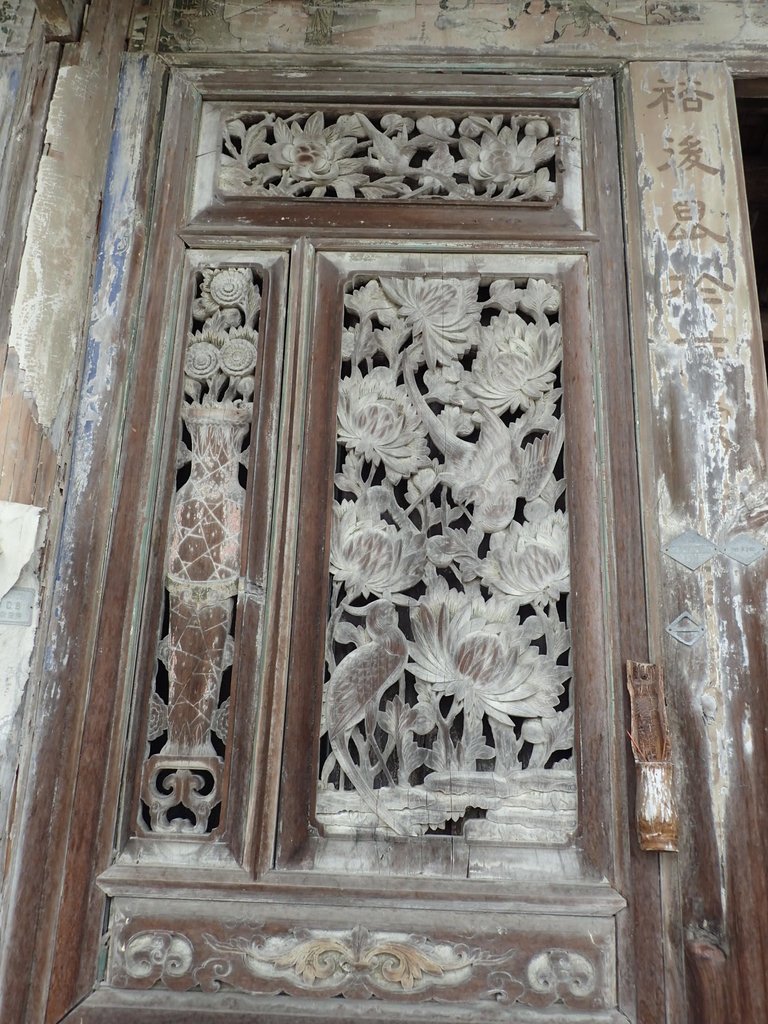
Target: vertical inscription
{"x":707,"y":408}
{"x":685,"y":186}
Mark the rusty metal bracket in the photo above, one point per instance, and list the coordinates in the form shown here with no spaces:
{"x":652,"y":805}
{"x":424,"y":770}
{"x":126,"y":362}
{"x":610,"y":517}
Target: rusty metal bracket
{"x":656,"y":805}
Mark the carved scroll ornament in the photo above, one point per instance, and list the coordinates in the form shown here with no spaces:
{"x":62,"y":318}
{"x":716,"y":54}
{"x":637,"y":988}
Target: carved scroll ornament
{"x":181,"y":788}
{"x":358,"y":963}
{"x":501,"y":157}
{"x":447,"y":642}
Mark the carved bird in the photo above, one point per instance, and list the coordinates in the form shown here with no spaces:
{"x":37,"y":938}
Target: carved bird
{"x":389,"y":156}
{"x":494,"y":471}
{"x":356,"y":687}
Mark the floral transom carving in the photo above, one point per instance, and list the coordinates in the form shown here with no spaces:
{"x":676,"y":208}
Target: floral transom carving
{"x":447,"y":697}
{"x":503,"y":157}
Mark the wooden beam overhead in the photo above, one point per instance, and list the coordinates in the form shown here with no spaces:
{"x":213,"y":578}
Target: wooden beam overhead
{"x":62,"y":19}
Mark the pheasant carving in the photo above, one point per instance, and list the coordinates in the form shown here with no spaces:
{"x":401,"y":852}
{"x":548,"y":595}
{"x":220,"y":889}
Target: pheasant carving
{"x":494,"y":471}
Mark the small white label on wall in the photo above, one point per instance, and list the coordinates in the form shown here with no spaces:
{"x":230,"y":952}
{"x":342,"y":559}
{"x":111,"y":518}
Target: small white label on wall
{"x":17,"y":606}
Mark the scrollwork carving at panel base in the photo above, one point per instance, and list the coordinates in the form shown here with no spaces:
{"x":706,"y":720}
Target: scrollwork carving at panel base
{"x":357,"y":963}
{"x":187,"y":722}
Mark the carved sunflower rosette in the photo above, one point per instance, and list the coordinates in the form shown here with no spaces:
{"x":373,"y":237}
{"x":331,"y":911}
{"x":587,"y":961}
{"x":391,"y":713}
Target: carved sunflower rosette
{"x":447,"y":651}
{"x":182,"y":779}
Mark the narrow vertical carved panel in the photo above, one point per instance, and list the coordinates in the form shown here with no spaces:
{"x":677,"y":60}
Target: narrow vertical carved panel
{"x":188,"y":716}
{"x":447,"y":705}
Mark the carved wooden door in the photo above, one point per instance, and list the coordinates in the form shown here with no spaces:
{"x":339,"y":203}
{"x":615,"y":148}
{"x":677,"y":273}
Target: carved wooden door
{"x":382,"y":448}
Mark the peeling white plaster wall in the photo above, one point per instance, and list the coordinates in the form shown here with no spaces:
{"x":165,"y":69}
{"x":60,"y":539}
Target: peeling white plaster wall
{"x":22,"y":532}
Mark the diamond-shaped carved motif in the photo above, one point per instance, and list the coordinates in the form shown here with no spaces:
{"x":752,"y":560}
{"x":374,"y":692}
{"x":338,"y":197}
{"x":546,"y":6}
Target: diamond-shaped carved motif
{"x":744,"y":549}
{"x":686,"y":629}
{"x":690,"y":549}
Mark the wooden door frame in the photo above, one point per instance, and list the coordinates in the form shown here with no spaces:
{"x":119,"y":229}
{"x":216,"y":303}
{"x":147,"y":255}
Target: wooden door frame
{"x":57,"y":765}
{"x":105,"y":716}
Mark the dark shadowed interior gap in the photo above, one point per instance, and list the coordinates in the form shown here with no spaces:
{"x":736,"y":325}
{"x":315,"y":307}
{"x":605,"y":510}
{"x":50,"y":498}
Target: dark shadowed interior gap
{"x":752,"y":109}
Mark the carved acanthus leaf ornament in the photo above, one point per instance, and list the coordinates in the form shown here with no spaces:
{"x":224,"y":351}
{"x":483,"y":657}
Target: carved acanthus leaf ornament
{"x":355,"y":963}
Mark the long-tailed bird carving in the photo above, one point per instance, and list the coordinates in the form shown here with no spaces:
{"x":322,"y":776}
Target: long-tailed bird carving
{"x":494,"y":471}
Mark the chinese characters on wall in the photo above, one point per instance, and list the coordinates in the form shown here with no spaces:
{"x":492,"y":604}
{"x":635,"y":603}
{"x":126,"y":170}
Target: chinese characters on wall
{"x":688,"y":187}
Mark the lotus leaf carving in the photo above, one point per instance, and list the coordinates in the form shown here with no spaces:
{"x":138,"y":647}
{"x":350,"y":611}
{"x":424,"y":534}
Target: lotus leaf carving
{"x":443,"y":314}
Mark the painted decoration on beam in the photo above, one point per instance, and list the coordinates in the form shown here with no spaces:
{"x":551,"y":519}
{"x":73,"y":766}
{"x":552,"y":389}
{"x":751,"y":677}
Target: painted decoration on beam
{"x":635,"y":29}
{"x":188,"y":714}
{"x":447,"y":702}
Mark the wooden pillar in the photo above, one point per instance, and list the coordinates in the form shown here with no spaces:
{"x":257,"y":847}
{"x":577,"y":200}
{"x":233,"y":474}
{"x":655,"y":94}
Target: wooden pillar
{"x":62,"y":19}
{"x":703,"y":406}
{"x":68,"y":230}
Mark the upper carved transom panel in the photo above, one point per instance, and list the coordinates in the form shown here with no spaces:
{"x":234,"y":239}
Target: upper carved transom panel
{"x":447,"y":651}
{"x":494,"y":156}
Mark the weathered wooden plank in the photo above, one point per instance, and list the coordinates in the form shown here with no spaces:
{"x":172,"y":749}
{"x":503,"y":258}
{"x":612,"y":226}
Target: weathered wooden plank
{"x":199,"y":1008}
{"x":119,"y":271}
{"x":26,"y":84}
{"x":62,"y":19}
{"x":78,"y":141}
{"x":703,"y":403}
{"x":26,"y":456}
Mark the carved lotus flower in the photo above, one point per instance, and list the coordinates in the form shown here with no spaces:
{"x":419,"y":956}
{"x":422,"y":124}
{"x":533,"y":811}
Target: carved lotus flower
{"x":316,"y":155}
{"x":515,"y":364}
{"x":476,"y":652}
{"x":443,"y":313}
{"x":376,"y":419}
{"x":371,"y":555}
{"x":530,"y":561}
{"x":501,"y":160}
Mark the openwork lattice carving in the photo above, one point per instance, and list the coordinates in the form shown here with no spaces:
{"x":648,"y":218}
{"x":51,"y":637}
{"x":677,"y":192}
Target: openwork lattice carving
{"x":500,"y":157}
{"x":187,"y":732}
{"x":447,"y":650}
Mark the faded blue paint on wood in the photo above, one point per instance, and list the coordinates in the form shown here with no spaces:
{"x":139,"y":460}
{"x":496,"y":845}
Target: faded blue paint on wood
{"x":121,"y":240}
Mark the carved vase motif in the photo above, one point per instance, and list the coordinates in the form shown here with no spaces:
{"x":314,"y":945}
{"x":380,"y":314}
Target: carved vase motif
{"x":182,"y":781}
